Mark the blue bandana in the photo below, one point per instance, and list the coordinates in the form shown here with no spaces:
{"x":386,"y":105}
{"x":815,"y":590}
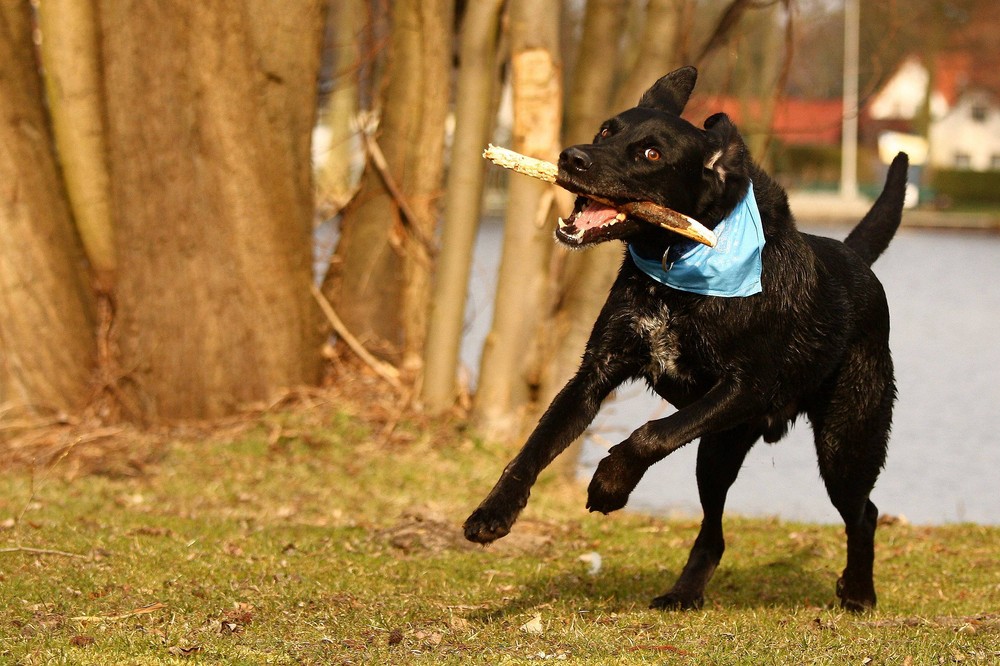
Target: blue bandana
{"x":731,"y":268}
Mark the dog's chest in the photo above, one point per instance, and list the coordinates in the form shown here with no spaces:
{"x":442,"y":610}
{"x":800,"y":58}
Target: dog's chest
{"x":660,"y":341}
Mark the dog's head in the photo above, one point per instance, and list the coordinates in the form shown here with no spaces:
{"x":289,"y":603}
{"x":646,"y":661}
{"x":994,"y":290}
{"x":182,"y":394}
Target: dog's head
{"x":650,"y":153}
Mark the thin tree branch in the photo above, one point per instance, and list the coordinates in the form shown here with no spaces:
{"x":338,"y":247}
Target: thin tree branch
{"x":381,"y":368}
{"x":410,"y":217}
{"x":727,"y":23}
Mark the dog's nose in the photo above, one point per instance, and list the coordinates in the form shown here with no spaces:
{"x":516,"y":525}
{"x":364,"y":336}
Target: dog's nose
{"x":575,"y":159}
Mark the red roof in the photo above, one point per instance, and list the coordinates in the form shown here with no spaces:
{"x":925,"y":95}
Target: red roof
{"x":952,"y":75}
{"x":796,"y":121}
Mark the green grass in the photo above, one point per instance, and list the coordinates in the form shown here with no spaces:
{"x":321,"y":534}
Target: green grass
{"x":302,"y":540}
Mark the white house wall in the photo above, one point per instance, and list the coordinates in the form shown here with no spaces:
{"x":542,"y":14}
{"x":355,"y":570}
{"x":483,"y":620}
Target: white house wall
{"x":960,"y":140}
{"x":904,"y":94}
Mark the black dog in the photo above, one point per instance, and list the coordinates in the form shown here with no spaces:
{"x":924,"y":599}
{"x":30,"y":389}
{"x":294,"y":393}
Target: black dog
{"x":813,"y":340}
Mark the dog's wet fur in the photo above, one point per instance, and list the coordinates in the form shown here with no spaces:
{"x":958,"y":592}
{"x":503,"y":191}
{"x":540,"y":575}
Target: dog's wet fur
{"x":815,"y":341}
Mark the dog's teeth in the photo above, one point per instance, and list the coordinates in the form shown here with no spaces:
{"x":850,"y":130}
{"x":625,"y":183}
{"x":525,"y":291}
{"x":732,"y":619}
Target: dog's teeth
{"x":620,"y":217}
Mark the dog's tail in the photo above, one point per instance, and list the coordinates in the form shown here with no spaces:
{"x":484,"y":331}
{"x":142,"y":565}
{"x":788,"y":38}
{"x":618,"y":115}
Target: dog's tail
{"x":877,"y":227}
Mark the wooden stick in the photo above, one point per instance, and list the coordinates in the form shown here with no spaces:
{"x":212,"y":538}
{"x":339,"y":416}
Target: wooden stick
{"x":644,"y":210}
{"x":529,"y":166}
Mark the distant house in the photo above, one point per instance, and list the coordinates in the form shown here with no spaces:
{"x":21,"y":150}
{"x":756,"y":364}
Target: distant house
{"x":968,"y":135}
{"x":964,"y":119}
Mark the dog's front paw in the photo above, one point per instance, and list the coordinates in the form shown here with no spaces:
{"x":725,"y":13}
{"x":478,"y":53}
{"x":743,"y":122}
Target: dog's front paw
{"x":615,"y":479}
{"x":857,"y":598}
{"x":487,"y":524}
{"x":678,"y":601}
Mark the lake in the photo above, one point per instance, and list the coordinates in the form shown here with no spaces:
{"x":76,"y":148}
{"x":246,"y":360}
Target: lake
{"x":944,"y":458}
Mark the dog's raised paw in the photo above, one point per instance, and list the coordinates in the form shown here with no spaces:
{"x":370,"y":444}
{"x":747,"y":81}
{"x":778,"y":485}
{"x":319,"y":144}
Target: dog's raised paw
{"x":613,"y":481}
{"x":604,"y":500}
{"x":485,"y":527}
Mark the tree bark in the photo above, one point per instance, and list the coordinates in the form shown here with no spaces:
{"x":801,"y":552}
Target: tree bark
{"x":597,"y":67}
{"x":508,"y":372}
{"x":73,"y":85}
{"x":655,"y":53}
{"x":583,"y":279}
{"x":474,"y":113}
{"x":380,"y":275}
{"x":336,"y":180}
{"x":210,"y":107}
{"x":46,"y":311}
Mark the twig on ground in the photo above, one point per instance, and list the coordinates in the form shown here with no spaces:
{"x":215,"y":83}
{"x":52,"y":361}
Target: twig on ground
{"x":42,"y":551}
{"x":152,"y":608}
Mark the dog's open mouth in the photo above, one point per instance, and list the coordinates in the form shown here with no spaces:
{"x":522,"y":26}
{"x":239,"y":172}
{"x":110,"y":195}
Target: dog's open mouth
{"x":590,"y":222}
{"x":595,"y":220}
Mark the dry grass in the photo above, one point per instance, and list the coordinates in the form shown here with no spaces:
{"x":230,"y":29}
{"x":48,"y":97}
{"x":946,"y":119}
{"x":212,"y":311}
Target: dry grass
{"x":322,"y":529}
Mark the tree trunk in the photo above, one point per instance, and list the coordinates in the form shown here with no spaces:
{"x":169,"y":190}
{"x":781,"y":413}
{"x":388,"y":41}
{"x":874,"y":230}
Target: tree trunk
{"x":73,"y":84}
{"x":474,"y":113}
{"x":210,"y":107}
{"x":508,"y":372}
{"x":46,"y":318}
{"x":335,"y":176}
{"x":655,"y":53}
{"x":584,"y":278}
{"x":589,"y":102}
{"x":380,"y":276}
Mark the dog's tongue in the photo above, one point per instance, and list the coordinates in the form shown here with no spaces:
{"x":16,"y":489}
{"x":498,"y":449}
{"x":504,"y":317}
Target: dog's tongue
{"x":593,"y":215}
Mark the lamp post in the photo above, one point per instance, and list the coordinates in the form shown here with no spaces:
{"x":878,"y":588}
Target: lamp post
{"x":849,"y":131}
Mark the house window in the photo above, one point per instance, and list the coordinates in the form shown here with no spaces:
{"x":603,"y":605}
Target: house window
{"x":962,"y":161}
{"x":979,"y":113}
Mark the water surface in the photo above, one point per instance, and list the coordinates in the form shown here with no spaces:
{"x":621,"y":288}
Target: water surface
{"x":944,"y":458}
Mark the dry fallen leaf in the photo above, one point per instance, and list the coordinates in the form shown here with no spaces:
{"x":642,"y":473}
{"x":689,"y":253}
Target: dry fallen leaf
{"x":534,"y":625}
{"x":189,"y":651}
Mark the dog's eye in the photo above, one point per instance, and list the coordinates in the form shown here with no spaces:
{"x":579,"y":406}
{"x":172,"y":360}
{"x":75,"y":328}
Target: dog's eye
{"x":652,"y":154}
{"x":605,"y":133}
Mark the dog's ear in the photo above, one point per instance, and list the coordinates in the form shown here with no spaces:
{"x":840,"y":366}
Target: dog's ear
{"x":671,"y":92}
{"x":727,"y":151}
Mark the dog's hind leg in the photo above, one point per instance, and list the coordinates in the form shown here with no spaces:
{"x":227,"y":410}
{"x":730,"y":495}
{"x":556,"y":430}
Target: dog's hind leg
{"x":720,"y":457}
{"x":851,"y":446}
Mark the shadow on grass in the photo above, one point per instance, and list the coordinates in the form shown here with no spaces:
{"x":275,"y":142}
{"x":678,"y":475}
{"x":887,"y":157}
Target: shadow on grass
{"x":794,"y":581}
